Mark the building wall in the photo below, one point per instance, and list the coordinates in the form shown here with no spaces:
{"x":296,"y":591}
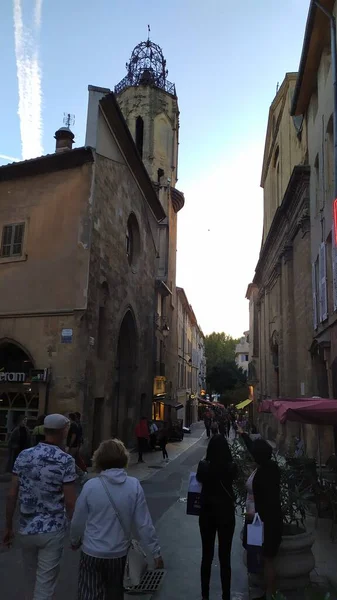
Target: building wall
{"x":131,"y":289}
{"x":52,"y":274}
{"x":283,"y":151}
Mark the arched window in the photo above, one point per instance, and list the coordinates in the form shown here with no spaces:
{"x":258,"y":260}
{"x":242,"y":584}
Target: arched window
{"x":132,"y":240}
{"x":140,"y":135}
{"x":277,"y":178}
{"x":329,"y":159}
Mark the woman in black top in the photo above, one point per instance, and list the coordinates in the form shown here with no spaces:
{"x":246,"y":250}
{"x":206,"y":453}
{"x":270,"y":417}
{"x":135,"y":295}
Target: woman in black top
{"x":267,"y":501}
{"x":217,"y":516}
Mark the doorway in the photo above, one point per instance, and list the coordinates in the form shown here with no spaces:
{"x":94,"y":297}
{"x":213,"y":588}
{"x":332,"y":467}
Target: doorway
{"x":126,"y":386}
{"x":97,"y":434}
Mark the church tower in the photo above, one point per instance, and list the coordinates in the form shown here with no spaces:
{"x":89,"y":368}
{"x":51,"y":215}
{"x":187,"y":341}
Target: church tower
{"x":149,"y":104}
{"x":150,"y":107}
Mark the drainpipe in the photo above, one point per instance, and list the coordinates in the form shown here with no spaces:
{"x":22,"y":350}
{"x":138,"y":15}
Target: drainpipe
{"x":334,"y":79}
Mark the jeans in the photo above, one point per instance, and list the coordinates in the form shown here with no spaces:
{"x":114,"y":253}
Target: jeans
{"x":210,"y":525}
{"x":41,"y":555}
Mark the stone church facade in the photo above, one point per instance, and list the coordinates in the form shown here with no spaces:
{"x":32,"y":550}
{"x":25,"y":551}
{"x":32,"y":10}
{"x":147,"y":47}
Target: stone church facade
{"x":88,"y":257}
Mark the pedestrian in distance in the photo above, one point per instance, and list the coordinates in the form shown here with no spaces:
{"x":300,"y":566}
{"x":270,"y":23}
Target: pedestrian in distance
{"x":19,"y":440}
{"x":43,"y":481}
{"x":207,"y":423}
{"x":108,"y":506}
{"x":80,"y":462}
{"x":163,"y":438}
{"x":153,"y":435}
{"x":214,"y":428}
{"x":142,"y":435}
{"x":38,"y":431}
{"x":217,"y":514}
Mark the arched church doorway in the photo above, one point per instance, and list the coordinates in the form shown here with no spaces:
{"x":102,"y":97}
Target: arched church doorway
{"x":18,"y":393}
{"x":127,"y":384}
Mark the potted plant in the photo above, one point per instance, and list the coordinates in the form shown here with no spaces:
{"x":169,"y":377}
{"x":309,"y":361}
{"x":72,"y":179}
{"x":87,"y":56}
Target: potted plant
{"x":295,"y":559}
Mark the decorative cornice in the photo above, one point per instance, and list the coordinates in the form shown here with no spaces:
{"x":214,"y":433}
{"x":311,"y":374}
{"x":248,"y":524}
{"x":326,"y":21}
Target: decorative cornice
{"x":304,"y":218}
{"x":287,"y":253}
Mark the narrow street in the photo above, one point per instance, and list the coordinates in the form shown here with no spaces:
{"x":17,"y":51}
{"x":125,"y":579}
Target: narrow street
{"x":179,"y":535}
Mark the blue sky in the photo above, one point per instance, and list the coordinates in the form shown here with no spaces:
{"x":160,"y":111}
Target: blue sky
{"x":225,"y":59}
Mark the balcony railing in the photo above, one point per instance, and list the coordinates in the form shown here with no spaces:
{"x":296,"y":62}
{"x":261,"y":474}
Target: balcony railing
{"x":165,"y":85}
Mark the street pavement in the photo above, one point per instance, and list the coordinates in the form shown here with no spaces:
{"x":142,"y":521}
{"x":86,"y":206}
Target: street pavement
{"x":166,"y":490}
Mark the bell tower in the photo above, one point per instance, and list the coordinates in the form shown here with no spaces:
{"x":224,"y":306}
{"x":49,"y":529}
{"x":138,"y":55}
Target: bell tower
{"x":150,"y":107}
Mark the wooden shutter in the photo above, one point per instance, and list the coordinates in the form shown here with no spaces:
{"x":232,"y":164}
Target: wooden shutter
{"x":323,"y":292}
{"x":18,"y":239}
{"x":314,"y":296}
{"x":334,"y":269}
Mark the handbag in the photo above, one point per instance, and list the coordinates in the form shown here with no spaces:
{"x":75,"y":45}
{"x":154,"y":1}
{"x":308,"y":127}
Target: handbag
{"x":193,"y":496}
{"x":136,"y":563}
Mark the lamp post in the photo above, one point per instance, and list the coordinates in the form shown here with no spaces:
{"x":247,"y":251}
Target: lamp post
{"x":334,"y":79}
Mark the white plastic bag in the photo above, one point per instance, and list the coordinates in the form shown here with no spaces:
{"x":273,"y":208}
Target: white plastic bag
{"x":255,"y":532}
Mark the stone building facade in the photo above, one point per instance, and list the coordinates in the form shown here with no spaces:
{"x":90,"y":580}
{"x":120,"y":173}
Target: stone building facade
{"x":79,"y":259}
{"x":150,"y":106}
{"x":191,"y":359}
{"x":280,"y":295}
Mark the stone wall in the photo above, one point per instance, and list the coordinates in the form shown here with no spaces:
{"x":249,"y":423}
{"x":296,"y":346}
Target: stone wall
{"x":130,"y":288}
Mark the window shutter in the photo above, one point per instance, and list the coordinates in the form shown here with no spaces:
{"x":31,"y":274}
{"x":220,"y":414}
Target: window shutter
{"x":314,"y":295}
{"x":323,"y":292}
{"x":18,"y":238}
{"x":334,"y":269}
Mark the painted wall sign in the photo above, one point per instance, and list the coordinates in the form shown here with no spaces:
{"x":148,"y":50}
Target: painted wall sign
{"x":12,"y":377}
{"x":67,"y":336}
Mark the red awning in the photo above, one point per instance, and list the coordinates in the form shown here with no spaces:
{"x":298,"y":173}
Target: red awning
{"x":312,"y":411}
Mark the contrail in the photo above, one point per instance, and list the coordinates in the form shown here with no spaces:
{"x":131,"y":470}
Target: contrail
{"x":29,"y":80}
{"x":11,"y":158}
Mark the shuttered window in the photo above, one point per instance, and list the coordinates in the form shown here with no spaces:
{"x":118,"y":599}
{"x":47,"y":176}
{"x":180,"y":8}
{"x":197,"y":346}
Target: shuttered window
{"x":314,"y":296}
{"x":334,"y":269}
{"x":323,"y":291}
{"x":12,"y":240}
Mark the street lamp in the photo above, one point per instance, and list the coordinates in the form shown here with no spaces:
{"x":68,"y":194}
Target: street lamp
{"x":334,"y":79}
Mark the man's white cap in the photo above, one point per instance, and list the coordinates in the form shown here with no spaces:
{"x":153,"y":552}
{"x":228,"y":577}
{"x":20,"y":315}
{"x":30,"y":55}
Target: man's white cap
{"x":55,"y":421}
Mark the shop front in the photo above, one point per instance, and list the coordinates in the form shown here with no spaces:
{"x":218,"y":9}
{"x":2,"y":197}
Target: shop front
{"x":23,"y":389}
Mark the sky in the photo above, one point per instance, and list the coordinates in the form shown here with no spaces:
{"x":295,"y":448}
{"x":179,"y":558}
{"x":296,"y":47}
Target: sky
{"x":226,"y":59}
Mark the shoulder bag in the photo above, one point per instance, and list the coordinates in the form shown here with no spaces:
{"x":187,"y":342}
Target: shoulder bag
{"x":136,"y":563}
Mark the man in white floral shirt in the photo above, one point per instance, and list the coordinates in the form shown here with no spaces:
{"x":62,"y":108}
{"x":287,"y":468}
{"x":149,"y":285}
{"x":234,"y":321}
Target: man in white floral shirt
{"x":43,"y":479}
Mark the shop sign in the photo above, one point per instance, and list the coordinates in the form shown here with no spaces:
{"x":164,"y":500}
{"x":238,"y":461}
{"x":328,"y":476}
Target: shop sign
{"x":39,"y":375}
{"x":67,"y":336}
{"x":12,"y":377}
{"x":159,"y":385}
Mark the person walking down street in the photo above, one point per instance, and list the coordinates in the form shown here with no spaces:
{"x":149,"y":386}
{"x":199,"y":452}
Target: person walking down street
{"x":38,"y":431}
{"x":217,"y":516}
{"x":153,"y":435}
{"x":163,"y":437}
{"x":43,"y":480}
{"x":264,"y":498}
{"x":214,"y":428}
{"x":207,"y":422}
{"x":108,"y":505}
{"x":19,"y":440}
{"x":222,"y":426}
{"x":80,"y":462}
{"x":142,"y":435}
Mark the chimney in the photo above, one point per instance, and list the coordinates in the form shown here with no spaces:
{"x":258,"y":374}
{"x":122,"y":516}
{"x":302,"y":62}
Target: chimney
{"x":64,"y":139}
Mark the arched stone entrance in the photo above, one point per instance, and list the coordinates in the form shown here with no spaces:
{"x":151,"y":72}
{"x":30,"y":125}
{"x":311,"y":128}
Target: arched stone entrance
{"x":127,"y":379}
{"x":18,"y":395}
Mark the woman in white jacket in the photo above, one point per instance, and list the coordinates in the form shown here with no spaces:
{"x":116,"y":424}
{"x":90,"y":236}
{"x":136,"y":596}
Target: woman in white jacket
{"x":96,"y":528}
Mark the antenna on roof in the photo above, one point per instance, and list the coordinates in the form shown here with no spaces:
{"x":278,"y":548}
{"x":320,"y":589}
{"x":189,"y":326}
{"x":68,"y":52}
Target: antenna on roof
{"x":277,"y":86}
{"x":148,"y":32}
{"x":68,"y":119}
